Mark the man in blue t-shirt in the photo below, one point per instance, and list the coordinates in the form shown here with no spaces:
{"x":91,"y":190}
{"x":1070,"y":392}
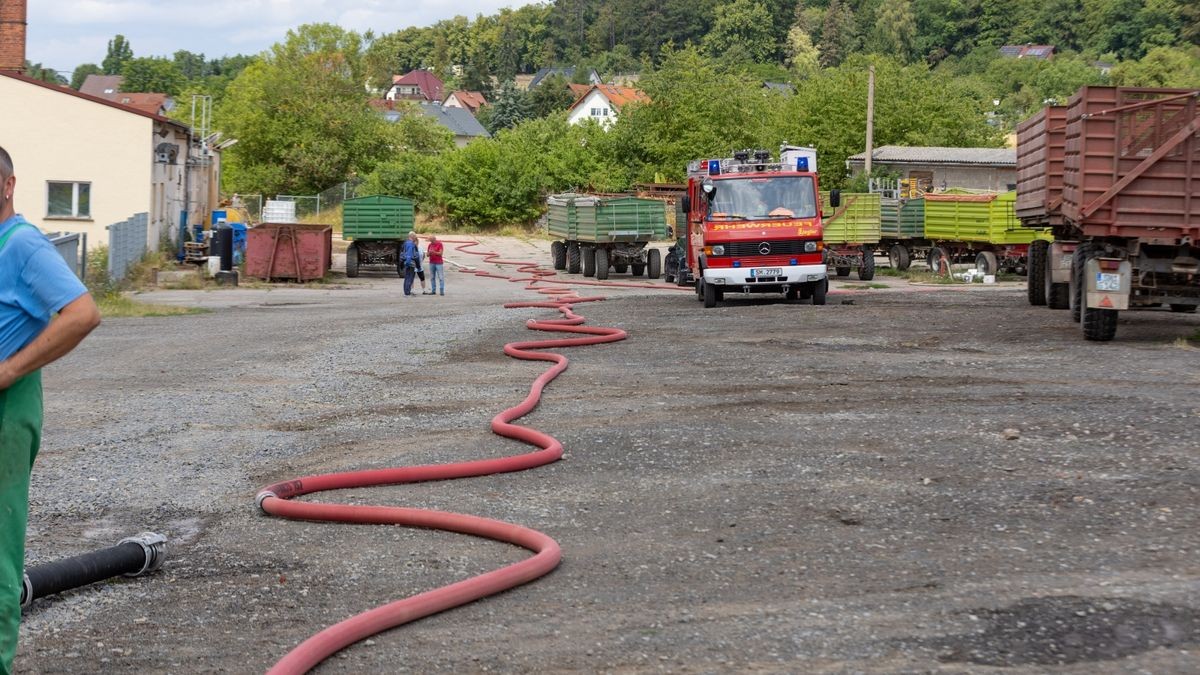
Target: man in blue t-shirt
{"x":410,"y":258}
{"x":35,"y":284}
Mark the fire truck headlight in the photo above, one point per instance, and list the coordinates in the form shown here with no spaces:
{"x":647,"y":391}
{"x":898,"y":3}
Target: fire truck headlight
{"x":810,"y":247}
{"x":714,"y":250}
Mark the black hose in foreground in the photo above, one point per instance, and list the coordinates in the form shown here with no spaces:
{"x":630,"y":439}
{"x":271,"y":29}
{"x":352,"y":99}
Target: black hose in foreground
{"x":132,"y":557}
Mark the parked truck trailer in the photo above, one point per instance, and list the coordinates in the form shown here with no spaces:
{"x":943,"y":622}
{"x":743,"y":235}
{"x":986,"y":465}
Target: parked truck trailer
{"x":1123,"y":203}
{"x":596,"y":234}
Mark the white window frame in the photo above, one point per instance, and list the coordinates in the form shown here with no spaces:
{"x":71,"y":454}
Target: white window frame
{"x":74,"y":215}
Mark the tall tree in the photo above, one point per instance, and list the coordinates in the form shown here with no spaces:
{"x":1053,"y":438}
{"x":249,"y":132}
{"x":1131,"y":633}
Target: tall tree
{"x":192,"y":66}
{"x":301,"y":116}
{"x":745,"y":24}
{"x":82,"y":71}
{"x":510,"y":108}
{"x":895,"y":30}
{"x":150,"y":74}
{"x":837,"y":34}
{"x":119,"y":52}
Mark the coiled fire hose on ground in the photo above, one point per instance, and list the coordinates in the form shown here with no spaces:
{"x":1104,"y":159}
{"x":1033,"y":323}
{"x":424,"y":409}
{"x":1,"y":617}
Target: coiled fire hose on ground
{"x":277,"y":499}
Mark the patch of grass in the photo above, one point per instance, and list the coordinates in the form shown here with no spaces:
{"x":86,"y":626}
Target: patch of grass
{"x":331,"y":217}
{"x":891,"y":272}
{"x":117,"y":305}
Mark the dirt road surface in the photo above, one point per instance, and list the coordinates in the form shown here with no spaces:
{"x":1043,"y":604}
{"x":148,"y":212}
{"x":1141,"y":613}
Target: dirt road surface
{"x":911,"y":479}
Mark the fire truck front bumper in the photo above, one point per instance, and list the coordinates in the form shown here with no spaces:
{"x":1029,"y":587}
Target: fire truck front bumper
{"x":736,"y":279}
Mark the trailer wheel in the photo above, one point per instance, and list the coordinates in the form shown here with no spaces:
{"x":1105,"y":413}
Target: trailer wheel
{"x":938,"y":260}
{"x":819,"y":289}
{"x":601,"y":263}
{"x":589,"y":261}
{"x":1099,"y":325}
{"x":1057,"y":296}
{"x":987,"y":263}
{"x":622,"y":268}
{"x":710,"y":296}
{"x":899,"y":258}
{"x":1076,"y":286}
{"x":842,"y":271}
{"x":637,"y":269}
{"x":866,"y":270}
{"x":352,"y":261}
{"x":1039,"y":271}
{"x":1183,"y":309}
{"x":573,"y":257}
{"x":558,"y":253}
{"x":653,"y":264}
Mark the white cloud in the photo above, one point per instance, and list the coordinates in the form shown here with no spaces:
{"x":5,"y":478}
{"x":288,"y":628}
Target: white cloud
{"x":65,"y":33}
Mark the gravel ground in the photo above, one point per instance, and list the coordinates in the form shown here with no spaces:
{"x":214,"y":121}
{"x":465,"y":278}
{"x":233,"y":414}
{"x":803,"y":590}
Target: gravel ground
{"x":911,"y":479}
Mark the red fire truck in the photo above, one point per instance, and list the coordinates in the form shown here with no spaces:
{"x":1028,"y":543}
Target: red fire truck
{"x":752,"y":226}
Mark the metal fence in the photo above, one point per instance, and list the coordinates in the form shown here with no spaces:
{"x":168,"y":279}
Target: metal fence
{"x":126,"y":244}
{"x":72,"y":246}
{"x":334,"y":196}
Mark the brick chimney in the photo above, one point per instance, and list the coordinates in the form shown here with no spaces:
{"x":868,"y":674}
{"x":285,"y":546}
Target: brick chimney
{"x":12,"y":35}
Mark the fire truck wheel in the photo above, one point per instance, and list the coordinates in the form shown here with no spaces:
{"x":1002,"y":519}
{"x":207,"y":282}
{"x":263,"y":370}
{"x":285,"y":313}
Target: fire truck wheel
{"x":819,"y":290}
{"x":653,"y":264}
{"x":589,"y":261}
{"x":866,"y":271}
{"x":601,"y":263}
{"x":558,"y":252}
{"x":352,"y":261}
{"x":710,"y":296}
{"x":700,"y":286}
{"x":573,"y":257}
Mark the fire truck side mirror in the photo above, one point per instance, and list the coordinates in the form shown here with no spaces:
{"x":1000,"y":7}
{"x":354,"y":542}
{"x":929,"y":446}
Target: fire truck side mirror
{"x":835,"y":198}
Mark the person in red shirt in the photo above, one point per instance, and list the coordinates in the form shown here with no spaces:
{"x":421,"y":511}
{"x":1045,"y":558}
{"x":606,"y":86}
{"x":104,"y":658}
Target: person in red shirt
{"x":436,"y":269}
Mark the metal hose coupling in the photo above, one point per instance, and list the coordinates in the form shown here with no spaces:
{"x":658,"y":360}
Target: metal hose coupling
{"x":154,"y":545}
{"x":26,"y":592}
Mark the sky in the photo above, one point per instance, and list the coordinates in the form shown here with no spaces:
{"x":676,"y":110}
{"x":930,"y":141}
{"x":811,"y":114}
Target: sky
{"x":65,"y":33}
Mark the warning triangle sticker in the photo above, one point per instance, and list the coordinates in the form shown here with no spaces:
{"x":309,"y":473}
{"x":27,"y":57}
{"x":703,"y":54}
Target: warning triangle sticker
{"x":1106,"y":302}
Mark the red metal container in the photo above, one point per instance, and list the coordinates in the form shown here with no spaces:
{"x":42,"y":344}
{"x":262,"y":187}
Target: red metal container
{"x":1132,"y":158}
{"x":289,"y":251}
{"x":1041,"y":142}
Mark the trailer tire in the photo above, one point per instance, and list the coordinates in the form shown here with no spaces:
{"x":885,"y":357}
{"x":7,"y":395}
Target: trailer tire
{"x":842,"y":271}
{"x":637,"y":269}
{"x":866,"y":270}
{"x":937,"y":258}
{"x":352,"y":261}
{"x":1183,"y":309}
{"x":601,"y":263}
{"x":622,"y":268}
{"x":653,"y":264}
{"x":986,"y":262}
{"x":573,"y":257}
{"x":1099,"y":325}
{"x":589,"y":261}
{"x":819,"y":289}
{"x":899,"y":257}
{"x":1035,"y":282}
{"x":558,"y":253}
{"x":1076,"y":286}
{"x":710,"y":295}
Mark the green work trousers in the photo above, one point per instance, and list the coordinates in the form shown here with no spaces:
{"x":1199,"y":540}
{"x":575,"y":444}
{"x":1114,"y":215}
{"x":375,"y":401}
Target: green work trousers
{"x":20,"y":436}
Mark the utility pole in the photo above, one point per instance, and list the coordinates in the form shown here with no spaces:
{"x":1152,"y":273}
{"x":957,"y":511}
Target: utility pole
{"x":870,"y":119}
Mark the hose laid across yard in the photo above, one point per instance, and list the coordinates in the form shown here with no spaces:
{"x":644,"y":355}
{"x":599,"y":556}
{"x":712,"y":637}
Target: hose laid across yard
{"x":277,"y":499}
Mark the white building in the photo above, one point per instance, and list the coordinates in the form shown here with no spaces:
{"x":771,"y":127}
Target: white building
{"x":602,"y":103}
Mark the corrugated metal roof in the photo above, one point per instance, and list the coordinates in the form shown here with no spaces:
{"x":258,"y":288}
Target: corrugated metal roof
{"x":899,"y":154}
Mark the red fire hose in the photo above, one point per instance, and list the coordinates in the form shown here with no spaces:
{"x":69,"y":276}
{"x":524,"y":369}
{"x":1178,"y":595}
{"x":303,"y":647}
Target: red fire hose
{"x":276,"y":499}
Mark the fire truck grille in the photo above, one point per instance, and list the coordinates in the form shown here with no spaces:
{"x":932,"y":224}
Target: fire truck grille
{"x":771,"y":246}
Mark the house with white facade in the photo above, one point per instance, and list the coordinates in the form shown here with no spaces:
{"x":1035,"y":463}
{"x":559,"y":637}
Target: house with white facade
{"x":602,"y":103}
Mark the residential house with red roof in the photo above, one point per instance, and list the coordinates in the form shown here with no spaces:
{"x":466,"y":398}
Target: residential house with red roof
{"x":472,"y":101}
{"x":602,"y":103}
{"x":417,"y":85}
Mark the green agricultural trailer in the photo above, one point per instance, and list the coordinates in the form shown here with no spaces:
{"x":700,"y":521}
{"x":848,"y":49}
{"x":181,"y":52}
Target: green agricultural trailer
{"x":594,"y":234}
{"x":902,"y":230}
{"x":376,"y":228}
{"x":979,"y":228}
{"x":851,"y":232}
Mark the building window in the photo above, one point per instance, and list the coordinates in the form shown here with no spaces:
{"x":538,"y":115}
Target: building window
{"x":68,"y":200}
{"x":595,"y":112}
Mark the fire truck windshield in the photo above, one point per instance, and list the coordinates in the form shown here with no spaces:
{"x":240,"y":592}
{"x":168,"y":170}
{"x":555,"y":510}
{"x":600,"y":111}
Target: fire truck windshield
{"x":763,"y":198}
